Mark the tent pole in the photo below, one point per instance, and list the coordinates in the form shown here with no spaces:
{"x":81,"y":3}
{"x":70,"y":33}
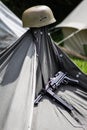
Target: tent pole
{"x":73,"y":53}
{"x":71,"y":35}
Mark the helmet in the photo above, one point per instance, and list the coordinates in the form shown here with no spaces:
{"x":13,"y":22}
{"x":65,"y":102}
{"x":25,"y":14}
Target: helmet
{"x":37,"y":16}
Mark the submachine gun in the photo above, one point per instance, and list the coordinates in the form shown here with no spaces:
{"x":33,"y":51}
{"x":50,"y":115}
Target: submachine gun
{"x":59,"y":79}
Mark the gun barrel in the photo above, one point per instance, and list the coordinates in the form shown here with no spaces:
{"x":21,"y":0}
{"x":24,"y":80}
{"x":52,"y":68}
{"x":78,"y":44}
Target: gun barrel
{"x":70,"y":80}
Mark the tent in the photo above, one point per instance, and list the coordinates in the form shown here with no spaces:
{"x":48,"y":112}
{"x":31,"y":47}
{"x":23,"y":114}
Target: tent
{"x":25,"y":68}
{"x":10,"y":27}
{"x":74,"y":28}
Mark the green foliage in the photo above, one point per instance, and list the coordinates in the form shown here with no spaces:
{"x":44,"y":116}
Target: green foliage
{"x":81,"y":64}
{"x":57,"y":36}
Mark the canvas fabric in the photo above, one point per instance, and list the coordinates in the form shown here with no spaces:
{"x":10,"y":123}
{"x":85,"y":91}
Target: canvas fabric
{"x":75,"y":21}
{"x":77,"y":42}
{"x":10,"y":27}
{"x":25,"y":68}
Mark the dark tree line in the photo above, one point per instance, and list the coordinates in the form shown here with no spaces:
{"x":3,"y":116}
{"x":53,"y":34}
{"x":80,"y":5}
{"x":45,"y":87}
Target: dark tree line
{"x":60,"y":8}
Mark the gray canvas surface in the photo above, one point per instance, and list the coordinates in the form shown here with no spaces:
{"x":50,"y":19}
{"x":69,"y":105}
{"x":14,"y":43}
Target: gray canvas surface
{"x":24,"y":69}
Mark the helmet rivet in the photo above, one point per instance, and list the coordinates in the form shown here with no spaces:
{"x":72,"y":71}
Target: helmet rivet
{"x":41,"y":33}
{"x":61,"y":55}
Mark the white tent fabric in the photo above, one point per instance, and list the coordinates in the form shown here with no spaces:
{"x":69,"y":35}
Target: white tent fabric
{"x":10,"y":27}
{"x":76,"y":20}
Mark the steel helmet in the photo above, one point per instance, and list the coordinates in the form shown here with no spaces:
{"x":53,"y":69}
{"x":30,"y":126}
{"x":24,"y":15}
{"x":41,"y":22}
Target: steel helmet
{"x":38,"y":16}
